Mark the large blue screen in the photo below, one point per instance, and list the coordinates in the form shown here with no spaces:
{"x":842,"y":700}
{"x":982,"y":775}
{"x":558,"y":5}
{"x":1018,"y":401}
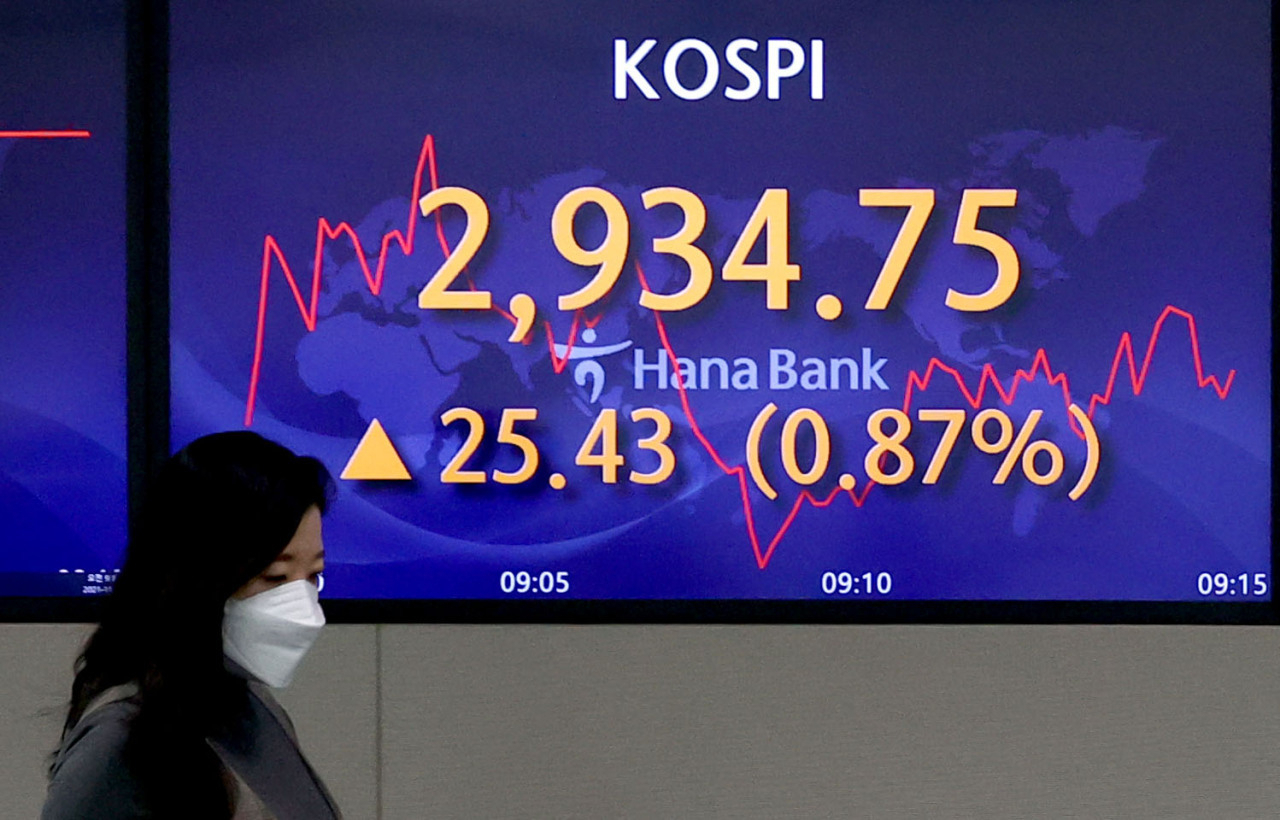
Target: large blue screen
{"x":62,"y":296}
{"x":844,"y":301}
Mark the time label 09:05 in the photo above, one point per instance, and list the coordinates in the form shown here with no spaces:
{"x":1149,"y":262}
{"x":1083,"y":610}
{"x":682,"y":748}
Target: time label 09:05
{"x":523,"y":582}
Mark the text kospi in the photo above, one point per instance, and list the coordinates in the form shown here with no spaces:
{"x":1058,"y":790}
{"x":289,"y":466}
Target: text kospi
{"x":782,"y":60}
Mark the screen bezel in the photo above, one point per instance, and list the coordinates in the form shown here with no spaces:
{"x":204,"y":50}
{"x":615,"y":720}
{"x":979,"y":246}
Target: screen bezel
{"x":147,"y":373}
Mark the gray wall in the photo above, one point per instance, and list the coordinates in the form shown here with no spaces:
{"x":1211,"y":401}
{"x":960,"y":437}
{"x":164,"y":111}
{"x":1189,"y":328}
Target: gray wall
{"x":529,"y":721}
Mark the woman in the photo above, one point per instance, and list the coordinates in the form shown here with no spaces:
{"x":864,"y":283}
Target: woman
{"x":170,"y":713}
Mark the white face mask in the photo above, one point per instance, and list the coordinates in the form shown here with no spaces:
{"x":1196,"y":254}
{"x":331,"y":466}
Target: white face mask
{"x":269,"y":633}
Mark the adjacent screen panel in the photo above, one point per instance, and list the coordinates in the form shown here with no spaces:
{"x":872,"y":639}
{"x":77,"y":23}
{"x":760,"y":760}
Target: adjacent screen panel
{"x":677,"y":302}
{"x":62,"y":297}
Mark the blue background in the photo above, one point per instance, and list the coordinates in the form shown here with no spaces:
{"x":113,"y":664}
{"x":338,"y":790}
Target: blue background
{"x":1137,"y":135}
{"x":62,"y":296}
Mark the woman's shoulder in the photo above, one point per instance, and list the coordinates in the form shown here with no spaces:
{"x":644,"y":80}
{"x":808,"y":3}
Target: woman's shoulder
{"x":89,"y":777}
{"x":103,"y":728}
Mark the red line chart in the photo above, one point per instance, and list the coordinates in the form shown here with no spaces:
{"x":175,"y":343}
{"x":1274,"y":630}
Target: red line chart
{"x":45,"y":135}
{"x":373,"y":276}
{"x":919,"y":383}
{"x":1040,"y":366}
{"x":916,"y":382}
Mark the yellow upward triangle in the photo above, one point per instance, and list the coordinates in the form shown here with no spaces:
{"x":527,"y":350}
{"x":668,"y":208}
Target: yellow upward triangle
{"x":375,"y":458}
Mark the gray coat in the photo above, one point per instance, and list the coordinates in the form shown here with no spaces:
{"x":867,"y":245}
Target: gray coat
{"x":90,"y":781}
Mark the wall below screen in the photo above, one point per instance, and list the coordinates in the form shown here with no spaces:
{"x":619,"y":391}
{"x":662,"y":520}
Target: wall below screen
{"x":407,"y":722}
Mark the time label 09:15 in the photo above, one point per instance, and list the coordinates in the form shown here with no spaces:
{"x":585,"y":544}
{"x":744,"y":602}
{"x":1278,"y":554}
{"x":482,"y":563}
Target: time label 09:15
{"x":1244,"y":585}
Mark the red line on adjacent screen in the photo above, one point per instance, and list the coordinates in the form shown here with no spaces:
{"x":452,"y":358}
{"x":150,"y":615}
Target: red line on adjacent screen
{"x":915,"y":381}
{"x":43,"y":135}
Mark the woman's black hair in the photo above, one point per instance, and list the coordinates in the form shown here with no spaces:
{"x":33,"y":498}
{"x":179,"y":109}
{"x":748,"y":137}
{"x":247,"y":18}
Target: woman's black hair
{"x":219,"y":512}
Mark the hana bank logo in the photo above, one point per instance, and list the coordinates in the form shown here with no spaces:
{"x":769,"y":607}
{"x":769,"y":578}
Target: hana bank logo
{"x":587,"y":368}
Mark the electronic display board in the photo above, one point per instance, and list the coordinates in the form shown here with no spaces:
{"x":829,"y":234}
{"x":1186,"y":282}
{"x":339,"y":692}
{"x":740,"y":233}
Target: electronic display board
{"x":688,"y":302}
{"x":62,"y":297}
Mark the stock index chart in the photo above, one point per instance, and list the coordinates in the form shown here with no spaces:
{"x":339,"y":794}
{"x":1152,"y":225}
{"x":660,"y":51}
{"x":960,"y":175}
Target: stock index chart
{"x":670,"y":301}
